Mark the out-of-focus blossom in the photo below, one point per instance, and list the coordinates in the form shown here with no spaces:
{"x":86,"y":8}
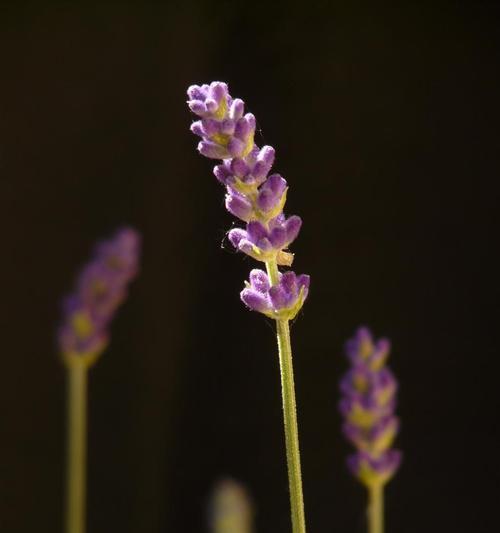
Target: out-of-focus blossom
{"x":367,"y":405}
{"x":100,"y":288}
{"x":230,"y":509}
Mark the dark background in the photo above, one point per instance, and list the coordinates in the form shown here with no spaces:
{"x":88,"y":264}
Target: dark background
{"x":386,"y":126}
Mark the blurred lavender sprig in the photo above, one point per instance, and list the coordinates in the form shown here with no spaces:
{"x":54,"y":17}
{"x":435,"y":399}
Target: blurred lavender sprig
{"x":368,"y":405}
{"x":100,"y":288}
{"x":231,"y":509}
{"x":82,"y":336}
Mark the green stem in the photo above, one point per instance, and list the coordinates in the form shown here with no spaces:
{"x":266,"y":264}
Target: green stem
{"x":77,"y":452}
{"x":376,"y":509}
{"x":289,"y":415}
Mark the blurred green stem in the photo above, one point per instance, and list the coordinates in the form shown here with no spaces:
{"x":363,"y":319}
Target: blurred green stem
{"x":289,"y":414}
{"x":76,"y":448}
{"x":376,"y":509}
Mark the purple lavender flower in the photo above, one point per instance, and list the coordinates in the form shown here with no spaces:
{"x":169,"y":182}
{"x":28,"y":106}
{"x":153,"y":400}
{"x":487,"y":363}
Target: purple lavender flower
{"x":227,"y":133}
{"x":282,"y":301}
{"x":265,"y":242}
{"x":367,"y":405}
{"x":100,"y":289}
{"x":245,"y":174}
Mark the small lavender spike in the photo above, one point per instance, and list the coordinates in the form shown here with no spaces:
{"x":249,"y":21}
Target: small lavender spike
{"x":228,"y":134}
{"x":82,"y":336}
{"x":100,"y":289}
{"x":368,"y":403}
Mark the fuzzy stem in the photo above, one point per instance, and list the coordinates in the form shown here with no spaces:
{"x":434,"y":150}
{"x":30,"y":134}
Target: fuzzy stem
{"x":76,"y":451}
{"x":376,"y":509}
{"x":289,"y":415}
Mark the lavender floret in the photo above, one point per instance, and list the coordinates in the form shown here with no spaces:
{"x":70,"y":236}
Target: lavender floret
{"x":264,"y":243}
{"x":282,"y":301}
{"x":368,"y":403}
{"x":100,"y":289}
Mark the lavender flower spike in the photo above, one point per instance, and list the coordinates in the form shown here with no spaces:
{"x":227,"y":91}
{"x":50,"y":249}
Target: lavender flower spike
{"x":251,"y":195}
{"x":367,"y":405}
{"x":100,"y":288}
{"x":227,"y":134}
{"x":83,"y":335}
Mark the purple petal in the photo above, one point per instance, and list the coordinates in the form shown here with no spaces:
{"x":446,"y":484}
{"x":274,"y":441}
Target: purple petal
{"x":211,"y":105}
{"x":239,"y":206}
{"x":195,"y":92}
{"x":236,"y":235}
{"x":197,"y":107}
{"x":363,"y":334}
{"x":276,"y":183}
{"x":278,"y":297}
{"x":352,"y":433}
{"x":218,"y":90}
{"x":210,"y":127}
{"x":250,"y":118}
{"x":278,"y":237}
{"x":197,"y":128}
{"x":271,"y":192}
{"x":345,"y":407}
{"x":387,"y":463}
{"x":390,"y":422}
{"x":259,"y":280}
{"x":383,"y":345}
{"x":227,"y":127}
{"x":304,"y":280}
{"x":255,"y":300}
{"x":246,"y":247}
{"x":212,"y":150}
{"x":292,"y":226}
{"x":386,"y":379}
{"x":237,"y":109}
{"x":354,"y":463}
{"x":239,"y":167}
{"x":289,"y":283}
{"x":256,"y":231}
{"x":223,"y":174}
{"x":235,"y":147}
{"x":380,"y":353}
{"x":244,"y":126}
{"x":264,"y":162}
